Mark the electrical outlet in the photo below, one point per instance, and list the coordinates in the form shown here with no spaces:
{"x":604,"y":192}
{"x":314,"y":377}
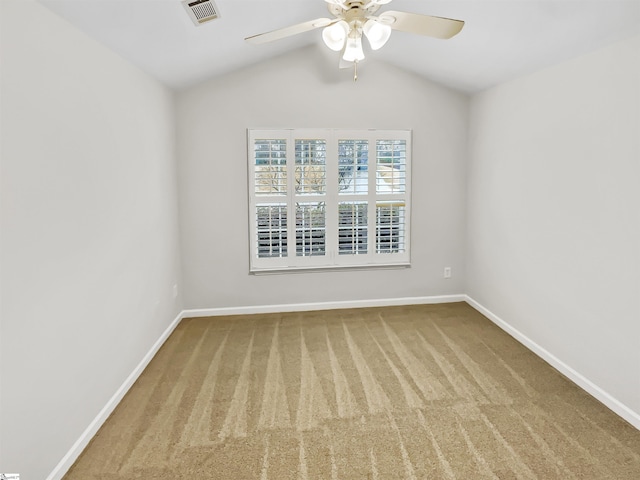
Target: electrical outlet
{"x":447,"y":272}
{"x":175,"y":290}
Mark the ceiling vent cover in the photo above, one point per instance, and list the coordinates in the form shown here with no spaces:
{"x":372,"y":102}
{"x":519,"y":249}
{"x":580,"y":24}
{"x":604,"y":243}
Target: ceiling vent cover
{"x":201,"y":11}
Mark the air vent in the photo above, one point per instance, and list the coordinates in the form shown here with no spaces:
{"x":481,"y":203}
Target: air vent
{"x":201,"y":11}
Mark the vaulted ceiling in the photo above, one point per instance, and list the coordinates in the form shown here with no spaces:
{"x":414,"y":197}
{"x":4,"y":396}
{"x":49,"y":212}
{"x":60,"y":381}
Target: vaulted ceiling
{"x":502,"y":39}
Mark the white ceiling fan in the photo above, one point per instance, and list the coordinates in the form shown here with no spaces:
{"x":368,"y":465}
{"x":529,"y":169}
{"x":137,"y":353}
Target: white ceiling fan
{"x":355,"y":17}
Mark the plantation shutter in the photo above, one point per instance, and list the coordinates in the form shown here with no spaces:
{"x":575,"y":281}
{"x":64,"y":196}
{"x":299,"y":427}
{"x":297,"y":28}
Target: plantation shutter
{"x":328,"y":198}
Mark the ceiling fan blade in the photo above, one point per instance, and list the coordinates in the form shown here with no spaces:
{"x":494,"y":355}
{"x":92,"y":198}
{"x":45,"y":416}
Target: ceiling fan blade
{"x":289,"y":31}
{"x":437,"y":27}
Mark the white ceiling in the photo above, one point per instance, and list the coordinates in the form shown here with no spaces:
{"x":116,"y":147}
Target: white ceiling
{"x":501,"y":40}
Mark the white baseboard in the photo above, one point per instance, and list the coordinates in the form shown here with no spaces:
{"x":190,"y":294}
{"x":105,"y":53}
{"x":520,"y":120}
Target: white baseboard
{"x":583,"y":382}
{"x":305,"y":307}
{"x":74,"y":452}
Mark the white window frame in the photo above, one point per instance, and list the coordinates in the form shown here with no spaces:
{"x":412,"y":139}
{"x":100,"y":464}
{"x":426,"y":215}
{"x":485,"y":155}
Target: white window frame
{"x":331,"y":259}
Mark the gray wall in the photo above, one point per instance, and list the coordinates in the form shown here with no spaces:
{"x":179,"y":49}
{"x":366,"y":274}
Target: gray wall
{"x":89,"y":231}
{"x":305,"y":89}
{"x":554,"y":213}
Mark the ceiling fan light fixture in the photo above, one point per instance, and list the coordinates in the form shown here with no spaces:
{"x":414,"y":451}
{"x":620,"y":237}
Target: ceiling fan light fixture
{"x":335,"y":35}
{"x":353,"y":51}
{"x":377,"y":33}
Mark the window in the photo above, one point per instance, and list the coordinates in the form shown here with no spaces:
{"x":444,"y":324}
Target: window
{"x":328,"y":198}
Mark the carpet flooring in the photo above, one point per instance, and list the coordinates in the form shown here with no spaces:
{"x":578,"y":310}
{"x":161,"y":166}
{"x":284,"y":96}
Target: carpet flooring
{"x":415,"y":392}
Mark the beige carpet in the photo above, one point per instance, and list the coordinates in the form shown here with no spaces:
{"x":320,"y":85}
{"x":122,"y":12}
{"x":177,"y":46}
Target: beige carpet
{"x":420,"y":392}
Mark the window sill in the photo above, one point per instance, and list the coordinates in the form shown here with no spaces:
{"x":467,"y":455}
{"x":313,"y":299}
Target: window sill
{"x":329,"y":268}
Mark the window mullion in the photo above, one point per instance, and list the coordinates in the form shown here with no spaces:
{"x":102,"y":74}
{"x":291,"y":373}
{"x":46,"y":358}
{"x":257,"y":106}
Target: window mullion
{"x":291,"y":205}
{"x":332,"y":198}
{"x":371,"y":197}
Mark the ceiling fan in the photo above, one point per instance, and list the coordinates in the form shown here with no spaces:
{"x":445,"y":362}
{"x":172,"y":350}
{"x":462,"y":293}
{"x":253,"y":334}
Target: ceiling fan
{"x":356,"y":17}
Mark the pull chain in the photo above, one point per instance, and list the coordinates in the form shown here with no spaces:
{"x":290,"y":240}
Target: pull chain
{"x":355,"y":71}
